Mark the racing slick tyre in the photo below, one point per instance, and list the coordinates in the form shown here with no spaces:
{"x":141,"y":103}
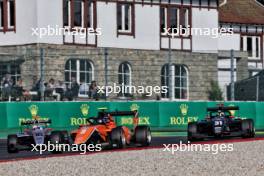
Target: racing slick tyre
{"x":143,"y":135}
{"x":56,"y":137}
{"x":66,"y":138}
{"x":247,"y":127}
{"x":12,"y":144}
{"x":192,"y":131}
{"x":118,"y":139}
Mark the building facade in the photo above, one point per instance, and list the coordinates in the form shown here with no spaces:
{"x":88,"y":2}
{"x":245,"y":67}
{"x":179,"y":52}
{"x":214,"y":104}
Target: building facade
{"x":246,"y":17}
{"x":139,"y":36}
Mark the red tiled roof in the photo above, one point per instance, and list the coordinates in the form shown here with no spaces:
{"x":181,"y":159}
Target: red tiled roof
{"x":242,"y":11}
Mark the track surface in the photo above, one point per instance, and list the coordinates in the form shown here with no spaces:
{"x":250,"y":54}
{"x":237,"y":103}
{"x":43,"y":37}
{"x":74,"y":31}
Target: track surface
{"x":156,"y":142}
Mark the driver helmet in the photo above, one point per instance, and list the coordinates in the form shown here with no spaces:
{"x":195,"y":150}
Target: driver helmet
{"x":222,"y":114}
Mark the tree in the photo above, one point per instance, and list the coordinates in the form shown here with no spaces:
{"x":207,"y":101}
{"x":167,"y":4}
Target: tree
{"x":215,"y":94}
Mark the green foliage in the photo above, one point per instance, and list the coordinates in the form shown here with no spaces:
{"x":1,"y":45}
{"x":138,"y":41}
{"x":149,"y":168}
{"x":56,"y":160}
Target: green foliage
{"x":215,"y":94}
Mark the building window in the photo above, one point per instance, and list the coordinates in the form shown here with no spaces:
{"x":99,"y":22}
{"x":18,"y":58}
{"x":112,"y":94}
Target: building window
{"x":66,"y":12}
{"x":7,"y":15}
{"x":179,"y":77}
{"x":82,"y":71}
{"x":125,"y":18}
{"x":241,"y":44}
{"x":90,"y":14}
{"x":12,"y":69}
{"x":174,"y":18}
{"x":163,"y":19}
{"x":252,"y":44}
{"x":124,"y":76}
{"x":257,"y":47}
{"x":249,"y":46}
{"x":165,"y":79}
{"x":79,"y":13}
{"x":11,"y":13}
{"x":184,"y":17}
{"x":1,"y":14}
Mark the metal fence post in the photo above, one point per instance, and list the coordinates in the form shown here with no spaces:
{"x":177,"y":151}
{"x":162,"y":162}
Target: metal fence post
{"x":257,"y":89}
{"x":106,"y":69}
{"x":232,"y":76}
{"x":42,"y":88}
{"x":170,"y":72}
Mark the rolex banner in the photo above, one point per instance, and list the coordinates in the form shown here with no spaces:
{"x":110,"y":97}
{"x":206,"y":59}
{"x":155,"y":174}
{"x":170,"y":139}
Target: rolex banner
{"x":160,"y":116}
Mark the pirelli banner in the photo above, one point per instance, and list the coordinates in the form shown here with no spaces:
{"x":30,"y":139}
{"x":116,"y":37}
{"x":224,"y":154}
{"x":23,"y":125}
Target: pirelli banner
{"x":160,"y":116}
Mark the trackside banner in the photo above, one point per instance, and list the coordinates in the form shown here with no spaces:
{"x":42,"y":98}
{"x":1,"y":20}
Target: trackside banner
{"x":160,"y":116}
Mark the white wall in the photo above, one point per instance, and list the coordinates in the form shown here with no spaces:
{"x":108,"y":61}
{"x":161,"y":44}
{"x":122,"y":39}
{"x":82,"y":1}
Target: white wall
{"x":204,"y":18}
{"x":146,"y":27}
{"x":228,"y":42}
{"x":44,"y":13}
{"x":34,"y":14}
{"x":50,"y":13}
{"x":26,"y":11}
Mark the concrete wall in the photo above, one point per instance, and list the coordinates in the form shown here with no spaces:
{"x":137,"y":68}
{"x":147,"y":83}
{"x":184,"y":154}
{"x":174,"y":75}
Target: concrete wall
{"x":146,"y":65}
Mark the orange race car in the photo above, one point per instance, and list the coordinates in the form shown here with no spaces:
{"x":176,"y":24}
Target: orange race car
{"x":103,"y":129}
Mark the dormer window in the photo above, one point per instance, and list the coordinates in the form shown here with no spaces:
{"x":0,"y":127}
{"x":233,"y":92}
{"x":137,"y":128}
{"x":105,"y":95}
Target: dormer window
{"x":7,"y":15}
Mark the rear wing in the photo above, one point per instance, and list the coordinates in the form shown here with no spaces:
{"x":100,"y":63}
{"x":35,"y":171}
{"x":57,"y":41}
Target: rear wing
{"x":32,"y":122}
{"x":221,"y":108}
{"x":122,"y":113}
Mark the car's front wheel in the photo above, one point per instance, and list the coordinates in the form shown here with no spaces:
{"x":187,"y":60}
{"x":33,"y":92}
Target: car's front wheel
{"x":192,"y":131}
{"x":247,"y":127}
{"x":12,"y":144}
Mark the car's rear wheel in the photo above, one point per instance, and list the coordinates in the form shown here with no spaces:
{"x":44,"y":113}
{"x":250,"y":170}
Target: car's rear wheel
{"x":192,"y":131}
{"x":143,"y":135}
{"x":247,"y":127}
{"x":56,"y":138}
{"x":118,"y":139}
{"x":12,"y":144}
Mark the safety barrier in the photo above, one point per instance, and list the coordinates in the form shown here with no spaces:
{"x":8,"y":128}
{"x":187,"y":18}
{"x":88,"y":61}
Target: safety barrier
{"x":160,"y":115}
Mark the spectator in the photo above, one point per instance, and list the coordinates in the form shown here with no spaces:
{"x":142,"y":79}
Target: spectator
{"x":50,"y":91}
{"x":35,"y":91}
{"x":60,"y":89}
{"x":7,"y":83}
{"x":73,"y":90}
{"x":84,"y":89}
{"x":19,"y":92}
{"x":93,"y":90}
{"x":36,"y":84}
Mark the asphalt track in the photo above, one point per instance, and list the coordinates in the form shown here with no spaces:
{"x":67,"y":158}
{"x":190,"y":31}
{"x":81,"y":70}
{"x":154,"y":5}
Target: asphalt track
{"x":156,"y":143}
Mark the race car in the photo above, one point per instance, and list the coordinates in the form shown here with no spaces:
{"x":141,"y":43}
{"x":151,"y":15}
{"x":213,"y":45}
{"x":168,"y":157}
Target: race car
{"x":220,"y":122}
{"x":34,"y":131}
{"x":103,"y":130}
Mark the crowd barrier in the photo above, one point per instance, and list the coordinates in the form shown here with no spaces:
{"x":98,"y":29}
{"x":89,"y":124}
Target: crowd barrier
{"x":160,"y":115}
